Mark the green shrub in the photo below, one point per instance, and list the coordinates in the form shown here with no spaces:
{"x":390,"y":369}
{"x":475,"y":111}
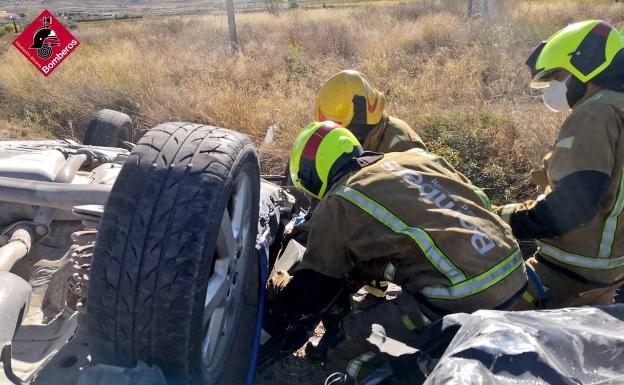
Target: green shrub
{"x":297,"y":61}
{"x":481,"y":146}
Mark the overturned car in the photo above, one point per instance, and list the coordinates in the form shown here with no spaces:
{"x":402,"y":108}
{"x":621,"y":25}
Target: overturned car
{"x":174,"y":278}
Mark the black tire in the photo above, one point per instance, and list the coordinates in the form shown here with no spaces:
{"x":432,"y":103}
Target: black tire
{"x":158,"y":246}
{"x":109,"y":128}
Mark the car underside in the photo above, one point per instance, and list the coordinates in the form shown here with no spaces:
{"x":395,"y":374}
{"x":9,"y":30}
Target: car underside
{"x":184,"y":225}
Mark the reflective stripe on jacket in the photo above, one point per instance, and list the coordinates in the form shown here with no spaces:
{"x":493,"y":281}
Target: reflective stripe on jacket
{"x":590,"y":140}
{"x":412,"y":219}
{"x":460,"y":286}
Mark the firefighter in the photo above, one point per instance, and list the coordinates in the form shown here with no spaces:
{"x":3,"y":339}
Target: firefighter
{"x":577,"y":221}
{"x":407,"y":218}
{"x":348,"y":99}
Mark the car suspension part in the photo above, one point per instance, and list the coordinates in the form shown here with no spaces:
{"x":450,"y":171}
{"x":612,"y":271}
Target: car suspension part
{"x":78,"y":282}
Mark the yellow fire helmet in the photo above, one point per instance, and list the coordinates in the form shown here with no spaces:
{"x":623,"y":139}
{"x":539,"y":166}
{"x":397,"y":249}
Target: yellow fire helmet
{"x":320,"y":152}
{"x":347,"y":98}
{"x":584,"y":49}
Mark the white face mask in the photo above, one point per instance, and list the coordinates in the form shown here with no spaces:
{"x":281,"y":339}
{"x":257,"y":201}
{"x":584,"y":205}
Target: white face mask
{"x":555,"y":96}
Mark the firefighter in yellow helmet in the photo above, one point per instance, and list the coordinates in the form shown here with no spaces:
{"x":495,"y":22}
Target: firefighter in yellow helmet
{"x":577,"y":222}
{"x":349,"y":99}
{"x":405,"y":217}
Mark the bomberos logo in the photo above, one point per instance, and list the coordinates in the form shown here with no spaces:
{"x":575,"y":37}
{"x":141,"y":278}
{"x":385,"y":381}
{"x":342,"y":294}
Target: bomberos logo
{"x":46,"y":43}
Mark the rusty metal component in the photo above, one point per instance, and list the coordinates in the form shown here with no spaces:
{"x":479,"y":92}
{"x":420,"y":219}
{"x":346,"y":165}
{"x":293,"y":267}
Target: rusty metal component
{"x":82,"y":253}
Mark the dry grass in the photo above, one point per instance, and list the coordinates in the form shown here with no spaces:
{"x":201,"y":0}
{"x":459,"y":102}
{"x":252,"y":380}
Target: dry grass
{"x":17,"y":130}
{"x":460,"y":82}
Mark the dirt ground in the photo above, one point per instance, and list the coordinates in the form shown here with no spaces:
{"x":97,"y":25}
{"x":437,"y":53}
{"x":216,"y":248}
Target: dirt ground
{"x":290,"y":371}
{"x":295,"y":369}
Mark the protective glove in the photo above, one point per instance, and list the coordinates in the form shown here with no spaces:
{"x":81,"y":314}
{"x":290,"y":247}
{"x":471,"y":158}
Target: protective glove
{"x":505,"y":212}
{"x":540,"y":178}
{"x":377,"y":288}
{"x":276,"y":285}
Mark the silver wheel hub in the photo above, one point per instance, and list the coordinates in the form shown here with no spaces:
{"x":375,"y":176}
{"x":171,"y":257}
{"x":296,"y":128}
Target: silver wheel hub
{"x":224,"y":295}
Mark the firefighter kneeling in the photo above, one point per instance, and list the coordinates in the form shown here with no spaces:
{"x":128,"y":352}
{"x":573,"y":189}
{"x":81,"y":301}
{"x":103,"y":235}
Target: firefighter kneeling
{"x":407,"y":218}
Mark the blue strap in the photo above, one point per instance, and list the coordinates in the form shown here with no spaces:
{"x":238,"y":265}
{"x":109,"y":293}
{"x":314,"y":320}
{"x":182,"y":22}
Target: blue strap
{"x":378,"y":375}
{"x":537,"y":282}
{"x":263,"y":261}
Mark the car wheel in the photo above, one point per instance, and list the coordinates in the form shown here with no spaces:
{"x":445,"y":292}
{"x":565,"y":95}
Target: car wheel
{"x":175,"y":272}
{"x":109,"y":128}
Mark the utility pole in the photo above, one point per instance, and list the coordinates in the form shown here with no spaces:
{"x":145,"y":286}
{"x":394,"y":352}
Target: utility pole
{"x":16,"y":4}
{"x":232,"y":24}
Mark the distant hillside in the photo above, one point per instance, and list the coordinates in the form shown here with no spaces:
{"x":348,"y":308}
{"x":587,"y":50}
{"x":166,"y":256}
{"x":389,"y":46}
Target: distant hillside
{"x":119,"y":6}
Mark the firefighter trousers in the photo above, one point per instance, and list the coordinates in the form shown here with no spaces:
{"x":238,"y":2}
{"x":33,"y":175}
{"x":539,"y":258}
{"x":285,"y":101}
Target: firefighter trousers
{"x":563,"y":289}
{"x":374,"y":334}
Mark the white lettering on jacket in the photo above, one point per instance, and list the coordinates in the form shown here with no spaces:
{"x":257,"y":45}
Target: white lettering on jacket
{"x":434,"y":193}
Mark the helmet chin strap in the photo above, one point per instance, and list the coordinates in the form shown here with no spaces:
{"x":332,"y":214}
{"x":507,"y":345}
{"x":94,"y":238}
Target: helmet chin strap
{"x":358,"y":125}
{"x":576,"y":90}
{"x":360,"y":131}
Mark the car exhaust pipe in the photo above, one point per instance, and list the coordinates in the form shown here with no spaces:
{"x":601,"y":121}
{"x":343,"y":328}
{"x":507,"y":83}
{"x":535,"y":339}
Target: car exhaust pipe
{"x":13,"y":307}
{"x":69,"y":170}
{"x":16,"y":249}
{"x":21,"y":239}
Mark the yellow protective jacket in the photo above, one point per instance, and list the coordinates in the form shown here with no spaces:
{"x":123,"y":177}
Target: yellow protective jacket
{"x":411,"y":219}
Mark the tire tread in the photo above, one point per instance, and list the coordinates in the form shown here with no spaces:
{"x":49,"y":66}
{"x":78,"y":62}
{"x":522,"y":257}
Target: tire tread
{"x":145,"y":279}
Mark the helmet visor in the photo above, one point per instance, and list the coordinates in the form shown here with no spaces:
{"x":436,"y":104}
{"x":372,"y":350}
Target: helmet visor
{"x":531,"y":61}
{"x":542,"y":79}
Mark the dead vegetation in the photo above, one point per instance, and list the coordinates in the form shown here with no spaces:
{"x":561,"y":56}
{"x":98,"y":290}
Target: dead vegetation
{"x":460,"y":82}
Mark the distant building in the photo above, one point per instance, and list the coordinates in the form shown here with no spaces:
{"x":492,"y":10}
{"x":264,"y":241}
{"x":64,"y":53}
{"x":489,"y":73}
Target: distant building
{"x":72,"y":15}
